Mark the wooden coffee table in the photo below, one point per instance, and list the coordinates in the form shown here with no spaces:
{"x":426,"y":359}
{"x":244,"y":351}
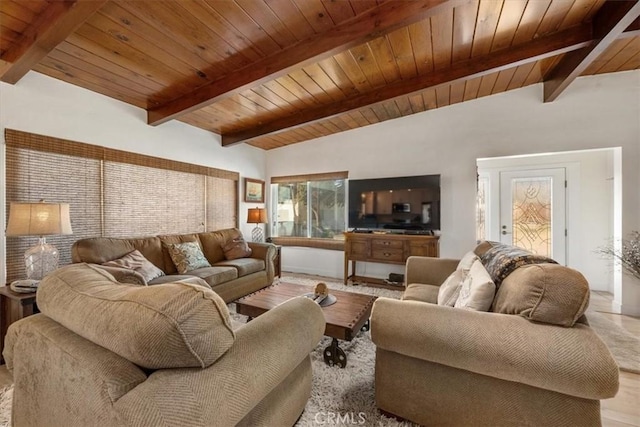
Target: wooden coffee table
{"x":345,"y":318}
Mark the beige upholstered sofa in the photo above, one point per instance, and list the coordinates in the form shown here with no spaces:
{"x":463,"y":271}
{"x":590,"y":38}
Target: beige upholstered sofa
{"x":229,"y":278}
{"x":531,"y":360}
{"x":103,"y":353}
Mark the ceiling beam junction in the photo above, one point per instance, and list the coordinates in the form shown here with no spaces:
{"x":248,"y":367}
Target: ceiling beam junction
{"x":608,"y":24}
{"x":374,"y":23}
{"x":50,"y":28}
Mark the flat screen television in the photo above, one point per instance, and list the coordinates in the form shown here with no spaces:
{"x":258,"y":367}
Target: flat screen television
{"x":400,"y":204}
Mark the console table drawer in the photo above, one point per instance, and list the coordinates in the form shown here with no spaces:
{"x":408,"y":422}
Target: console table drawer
{"x":390,"y":254}
{"x":384,"y":244}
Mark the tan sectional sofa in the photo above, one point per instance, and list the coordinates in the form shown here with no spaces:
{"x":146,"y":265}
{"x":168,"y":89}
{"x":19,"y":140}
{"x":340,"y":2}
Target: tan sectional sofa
{"x":104,"y":353}
{"x":231,"y":279}
{"x":531,"y":360}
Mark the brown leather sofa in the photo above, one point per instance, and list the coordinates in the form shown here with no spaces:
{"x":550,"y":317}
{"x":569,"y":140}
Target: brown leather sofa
{"x":231,"y":279}
{"x":531,"y":360}
{"x":104,"y":353}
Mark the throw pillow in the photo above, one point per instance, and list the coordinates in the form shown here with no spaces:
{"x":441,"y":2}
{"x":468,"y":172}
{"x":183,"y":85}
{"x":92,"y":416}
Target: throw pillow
{"x":477,"y":290}
{"x":466,"y":262}
{"x":450,"y":289}
{"x":187,"y":256}
{"x":236,"y":248}
{"x":136,"y":261}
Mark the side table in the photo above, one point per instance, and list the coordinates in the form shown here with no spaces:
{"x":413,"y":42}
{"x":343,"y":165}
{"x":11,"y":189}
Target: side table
{"x":13,"y":307}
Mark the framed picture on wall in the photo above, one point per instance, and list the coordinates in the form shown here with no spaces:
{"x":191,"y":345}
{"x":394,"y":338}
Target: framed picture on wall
{"x":253,"y":190}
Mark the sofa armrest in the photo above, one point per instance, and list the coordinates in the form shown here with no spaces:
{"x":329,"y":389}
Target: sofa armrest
{"x":267,"y":253}
{"x":428,"y":270}
{"x":572,"y":361}
{"x":265,"y":352}
{"x":61,"y":378}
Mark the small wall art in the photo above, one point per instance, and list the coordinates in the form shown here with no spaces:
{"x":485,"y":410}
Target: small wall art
{"x":253,"y":190}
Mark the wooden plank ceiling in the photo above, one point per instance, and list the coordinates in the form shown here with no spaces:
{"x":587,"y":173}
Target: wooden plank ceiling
{"x":276,"y":72}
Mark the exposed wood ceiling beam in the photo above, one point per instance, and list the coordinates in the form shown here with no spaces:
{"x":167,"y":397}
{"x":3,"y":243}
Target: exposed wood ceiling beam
{"x":543,"y":47}
{"x":49,"y":29}
{"x":384,"y":19}
{"x":608,"y":24}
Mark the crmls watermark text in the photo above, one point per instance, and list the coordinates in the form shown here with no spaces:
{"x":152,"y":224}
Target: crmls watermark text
{"x":349,"y":418}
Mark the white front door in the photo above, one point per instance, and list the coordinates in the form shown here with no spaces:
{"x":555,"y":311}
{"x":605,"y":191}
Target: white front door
{"x":532,"y":211}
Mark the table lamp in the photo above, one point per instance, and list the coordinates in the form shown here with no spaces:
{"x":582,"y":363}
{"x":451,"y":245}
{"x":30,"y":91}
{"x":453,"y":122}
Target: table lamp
{"x":257,"y":216}
{"x":39,"y":219}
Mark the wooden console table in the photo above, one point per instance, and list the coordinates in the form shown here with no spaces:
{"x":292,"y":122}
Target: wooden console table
{"x":385,"y":248}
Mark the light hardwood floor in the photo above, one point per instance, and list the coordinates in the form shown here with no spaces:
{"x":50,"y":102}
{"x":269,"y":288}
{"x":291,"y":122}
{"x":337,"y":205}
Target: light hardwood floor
{"x":624,"y":409}
{"x":620,"y":411}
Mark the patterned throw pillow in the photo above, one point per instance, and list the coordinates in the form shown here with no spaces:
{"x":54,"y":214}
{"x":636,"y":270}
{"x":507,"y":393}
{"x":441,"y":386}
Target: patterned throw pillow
{"x":236,"y":248}
{"x":136,"y":261}
{"x":187,"y":256}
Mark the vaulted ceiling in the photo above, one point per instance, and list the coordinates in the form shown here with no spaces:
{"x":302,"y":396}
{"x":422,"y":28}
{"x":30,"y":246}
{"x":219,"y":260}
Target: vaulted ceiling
{"x":276,"y":72}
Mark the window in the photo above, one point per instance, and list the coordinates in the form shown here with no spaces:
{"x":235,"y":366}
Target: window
{"x":309,"y":205}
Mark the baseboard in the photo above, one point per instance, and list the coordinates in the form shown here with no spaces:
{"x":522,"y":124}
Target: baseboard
{"x":629,"y":310}
{"x":312,"y":272}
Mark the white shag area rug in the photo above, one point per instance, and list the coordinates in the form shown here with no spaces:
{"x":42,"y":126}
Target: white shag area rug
{"x":339,"y":396}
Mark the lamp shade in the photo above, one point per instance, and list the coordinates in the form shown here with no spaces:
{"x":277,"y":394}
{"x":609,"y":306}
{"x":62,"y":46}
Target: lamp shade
{"x":257,"y":216}
{"x":38,"y":219}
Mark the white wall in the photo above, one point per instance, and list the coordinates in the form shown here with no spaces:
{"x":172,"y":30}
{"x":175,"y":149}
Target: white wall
{"x":43,"y":105}
{"x":594,"y":112}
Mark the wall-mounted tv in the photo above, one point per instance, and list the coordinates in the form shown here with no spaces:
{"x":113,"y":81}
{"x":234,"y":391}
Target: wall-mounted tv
{"x":402,"y":204}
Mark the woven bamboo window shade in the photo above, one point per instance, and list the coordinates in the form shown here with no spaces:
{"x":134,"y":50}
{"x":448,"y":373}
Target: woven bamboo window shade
{"x":222,"y":203}
{"x":142,"y":201}
{"x":113,"y":193}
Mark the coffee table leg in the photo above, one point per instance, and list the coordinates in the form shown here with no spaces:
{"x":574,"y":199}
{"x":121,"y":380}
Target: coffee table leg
{"x":366,"y":326}
{"x":333,"y":355}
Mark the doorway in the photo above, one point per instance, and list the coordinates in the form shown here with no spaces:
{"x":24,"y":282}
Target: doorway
{"x":589,"y":211}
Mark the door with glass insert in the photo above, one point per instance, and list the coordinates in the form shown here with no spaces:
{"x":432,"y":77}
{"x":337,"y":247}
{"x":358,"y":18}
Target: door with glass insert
{"x":532,"y":211}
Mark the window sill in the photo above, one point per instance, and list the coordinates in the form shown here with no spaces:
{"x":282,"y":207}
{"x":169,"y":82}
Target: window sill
{"x":309,"y":242}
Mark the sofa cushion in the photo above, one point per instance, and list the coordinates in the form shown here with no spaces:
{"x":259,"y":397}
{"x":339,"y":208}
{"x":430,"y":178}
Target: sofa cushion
{"x":165,"y":326}
{"x":216,"y":275}
{"x":477,"y":290}
{"x":421,"y":292}
{"x":245,"y":266}
{"x":187,"y":256}
{"x":98,"y":250}
{"x":134,"y":260}
{"x":450,"y":289}
{"x":548,"y":293}
{"x":500,"y":260}
{"x":236,"y":248}
{"x":214,"y":241}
